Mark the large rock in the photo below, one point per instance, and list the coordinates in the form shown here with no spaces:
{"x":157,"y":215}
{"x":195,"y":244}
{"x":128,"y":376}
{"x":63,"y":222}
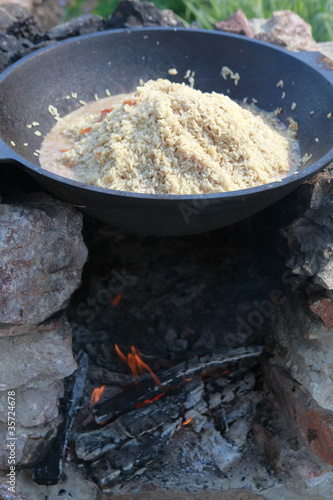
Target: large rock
{"x":326,"y":48}
{"x":51,"y":324}
{"x":10,"y":48}
{"x":304,"y":346}
{"x":82,"y":25}
{"x":16,"y":20}
{"x":237,"y":23}
{"x":73,"y":486}
{"x":35,"y":403}
{"x":31,"y":444}
{"x":324,"y":309}
{"x":286,"y":29}
{"x":42,"y":255}
{"x":136,"y":13}
{"x":293,"y":433}
{"x":294,"y":427}
{"x":310,"y":238}
{"x":36,"y":356}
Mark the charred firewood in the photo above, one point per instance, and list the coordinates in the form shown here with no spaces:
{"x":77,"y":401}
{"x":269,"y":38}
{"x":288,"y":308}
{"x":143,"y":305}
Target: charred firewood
{"x":124,"y":448}
{"x":147,"y":390}
{"x":48,"y":470}
{"x":131,"y":459}
{"x":142,"y":419}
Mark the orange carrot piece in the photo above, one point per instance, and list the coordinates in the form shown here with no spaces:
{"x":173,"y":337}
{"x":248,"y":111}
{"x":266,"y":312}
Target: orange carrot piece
{"x":85,"y":130}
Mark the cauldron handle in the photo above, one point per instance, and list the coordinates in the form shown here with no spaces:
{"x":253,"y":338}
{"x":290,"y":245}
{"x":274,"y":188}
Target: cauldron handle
{"x":7,"y":154}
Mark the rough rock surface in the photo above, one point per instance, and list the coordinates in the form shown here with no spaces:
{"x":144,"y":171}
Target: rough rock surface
{"x":294,"y":428}
{"x":42,"y":255}
{"x":324,"y":309}
{"x":237,"y":23}
{"x":326,"y":48}
{"x":36,"y":403}
{"x":137,"y":13}
{"x":82,"y":25}
{"x":50,"y":324}
{"x":36,"y":356}
{"x":310,"y":238}
{"x":73,"y":486}
{"x":11,"y":48}
{"x":286,"y":29}
{"x":293,"y":433}
{"x":304,"y":346}
{"x":18,"y":21}
{"x":31,"y":442}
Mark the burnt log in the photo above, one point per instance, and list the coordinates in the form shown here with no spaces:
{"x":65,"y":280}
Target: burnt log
{"x":112,"y":408}
{"x":48,"y":470}
{"x":142,"y":419}
{"x":124,"y":448}
{"x":130,"y":460}
{"x":139,"y":422}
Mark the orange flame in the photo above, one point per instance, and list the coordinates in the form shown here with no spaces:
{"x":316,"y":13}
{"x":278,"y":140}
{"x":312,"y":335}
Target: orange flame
{"x":136,"y":364}
{"x":96,"y":395}
{"x":187,"y":421}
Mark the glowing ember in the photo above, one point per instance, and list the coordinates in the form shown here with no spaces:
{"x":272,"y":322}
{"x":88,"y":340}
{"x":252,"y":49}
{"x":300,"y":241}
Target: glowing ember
{"x":187,"y":421}
{"x":96,"y":395}
{"x":116,"y":300}
{"x":136,"y":364}
{"x":185,"y":380}
{"x":147,"y":401}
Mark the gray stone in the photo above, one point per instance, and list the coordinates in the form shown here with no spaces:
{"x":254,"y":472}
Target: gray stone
{"x":237,"y":23}
{"x":35,"y":403}
{"x":42,"y":255}
{"x":8,"y":330}
{"x":293,"y":432}
{"x":326,"y":48}
{"x":304,"y":347}
{"x":16,"y":20}
{"x":31,"y":444}
{"x":324,"y":309}
{"x":294,"y":429}
{"x":311,"y":363}
{"x":36,"y":356}
{"x":9,"y":45}
{"x":137,"y":13}
{"x":72,"y":486}
{"x":286,"y":29}
{"x":82,"y":25}
{"x":7,"y":494}
{"x":310,"y":238}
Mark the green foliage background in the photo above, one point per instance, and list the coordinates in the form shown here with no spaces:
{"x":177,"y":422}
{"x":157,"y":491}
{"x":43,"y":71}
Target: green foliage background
{"x":319,"y":13}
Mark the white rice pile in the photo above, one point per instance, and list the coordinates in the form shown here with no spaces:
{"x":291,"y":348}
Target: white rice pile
{"x":174,"y":139}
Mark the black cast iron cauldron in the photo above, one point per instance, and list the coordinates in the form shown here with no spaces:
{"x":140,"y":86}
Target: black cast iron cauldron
{"x":117,"y":60}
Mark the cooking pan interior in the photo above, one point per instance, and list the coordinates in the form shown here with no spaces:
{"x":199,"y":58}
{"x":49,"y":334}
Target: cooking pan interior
{"x":84,"y":68}
{"x":87,"y":66}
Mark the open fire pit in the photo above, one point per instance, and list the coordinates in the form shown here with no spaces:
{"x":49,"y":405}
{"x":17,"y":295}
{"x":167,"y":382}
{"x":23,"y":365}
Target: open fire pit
{"x":177,"y":367}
